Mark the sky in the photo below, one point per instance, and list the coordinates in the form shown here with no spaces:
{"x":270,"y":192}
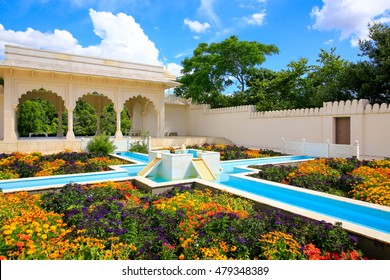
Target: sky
{"x":164,"y":32}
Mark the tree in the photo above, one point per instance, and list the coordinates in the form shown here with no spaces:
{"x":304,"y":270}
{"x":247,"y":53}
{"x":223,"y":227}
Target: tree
{"x":36,"y":116}
{"x":281,"y":90}
{"x":370,"y":79}
{"x":108,"y":120}
{"x":84,"y":119}
{"x":214,"y":67}
{"x":326,"y":81}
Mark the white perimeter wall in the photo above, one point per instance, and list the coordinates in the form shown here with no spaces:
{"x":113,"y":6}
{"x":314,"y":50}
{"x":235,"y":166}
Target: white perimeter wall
{"x":176,"y":119}
{"x":370,"y":125}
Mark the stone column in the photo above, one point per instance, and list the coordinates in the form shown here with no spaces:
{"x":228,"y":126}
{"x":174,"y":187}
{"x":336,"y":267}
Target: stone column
{"x":14,"y":131}
{"x":70,"y":133}
{"x":60,"y":133}
{"x":143,"y":114}
{"x":118,"y":133}
{"x":10,"y":108}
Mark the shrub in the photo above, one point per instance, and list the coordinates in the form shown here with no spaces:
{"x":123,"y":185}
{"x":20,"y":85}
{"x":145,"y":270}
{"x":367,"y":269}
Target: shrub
{"x":101,"y":144}
{"x":139,"y":147}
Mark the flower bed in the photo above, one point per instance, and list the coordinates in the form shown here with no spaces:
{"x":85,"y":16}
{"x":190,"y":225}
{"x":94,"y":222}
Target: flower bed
{"x":363,"y":180}
{"x":23,"y":165}
{"x":118,"y":221}
{"x":230,"y":152}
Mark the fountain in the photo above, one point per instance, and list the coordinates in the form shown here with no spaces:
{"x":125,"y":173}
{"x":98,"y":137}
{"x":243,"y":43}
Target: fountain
{"x":182,"y":164}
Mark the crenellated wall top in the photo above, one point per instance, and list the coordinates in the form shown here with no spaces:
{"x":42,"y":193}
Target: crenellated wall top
{"x":349,"y":107}
{"x":173,"y":99}
{"x":237,"y":109}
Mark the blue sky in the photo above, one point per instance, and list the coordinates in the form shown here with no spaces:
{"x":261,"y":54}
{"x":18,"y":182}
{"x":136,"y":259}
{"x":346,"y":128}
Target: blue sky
{"x":164,"y":32}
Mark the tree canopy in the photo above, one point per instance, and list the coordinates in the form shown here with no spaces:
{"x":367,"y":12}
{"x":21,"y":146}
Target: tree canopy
{"x":215,"y":67}
{"x":370,"y":78}
{"x":39,"y":116}
{"x":36,"y":116}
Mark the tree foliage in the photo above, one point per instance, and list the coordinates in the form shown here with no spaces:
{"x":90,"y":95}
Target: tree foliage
{"x":370,"y":78}
{"x":108,"y":120}
{"x":36,"y":116}
{"x":84,"y":119}
{"x":39,"y":116}
{"x":215,"y":67}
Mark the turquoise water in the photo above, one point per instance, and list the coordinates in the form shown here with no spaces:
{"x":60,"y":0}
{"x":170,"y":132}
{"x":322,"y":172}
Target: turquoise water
{"x":134,"y":156}
{"x":365,"y":216}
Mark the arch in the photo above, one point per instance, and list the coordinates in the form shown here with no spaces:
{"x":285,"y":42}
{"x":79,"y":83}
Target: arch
{"x":44,"y":94}
{"x":98,"y":102}
{"x":143,"y":114}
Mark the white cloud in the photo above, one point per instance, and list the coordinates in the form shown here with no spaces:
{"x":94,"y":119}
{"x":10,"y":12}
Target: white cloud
{"x":255,"y":19}
{"x":206,"y":9}
{"x":60,"y":40}
{"x":329,"y":42}
{"x":196,"y":37}
{"x":196,"y":26}
{"x":174,"y":69}
{"x":350,"y":17}
{"x":122,"y":38}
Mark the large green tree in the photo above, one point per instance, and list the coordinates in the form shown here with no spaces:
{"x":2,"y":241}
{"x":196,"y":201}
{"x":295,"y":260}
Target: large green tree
{"x":215,"y":67}
{"x":285,"y":89}
{"x":327,"y":80}
{"x":370,"y":78}
{"x":36,"y":116}
{"x":108,"y":120}
{"x":84,"y":119}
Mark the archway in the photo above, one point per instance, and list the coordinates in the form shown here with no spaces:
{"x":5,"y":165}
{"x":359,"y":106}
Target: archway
{"x":143,"y":116}
{"x":97,"y":110}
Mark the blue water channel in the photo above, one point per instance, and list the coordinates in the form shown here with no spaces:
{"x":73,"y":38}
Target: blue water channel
{"x":369,"y":217}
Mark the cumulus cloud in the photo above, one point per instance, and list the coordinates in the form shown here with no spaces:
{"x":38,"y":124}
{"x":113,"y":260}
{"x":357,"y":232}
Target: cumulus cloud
{"x":121,"y":36}
{"x":350,"y":17}
{"x":255,"y":19}
{"x":60,"y":40}
{"x":196,"y":26}
{"x":174,"y":69}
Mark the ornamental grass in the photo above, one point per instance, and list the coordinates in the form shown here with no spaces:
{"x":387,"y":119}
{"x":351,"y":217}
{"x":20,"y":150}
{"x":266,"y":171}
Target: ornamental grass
{"x":116,"y":220}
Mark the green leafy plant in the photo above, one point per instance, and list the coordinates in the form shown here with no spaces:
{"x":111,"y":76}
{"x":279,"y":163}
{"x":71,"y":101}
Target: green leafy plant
{"x":101,"y":144}
{"x":139,"y":147}
{"x":142,"y":145}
